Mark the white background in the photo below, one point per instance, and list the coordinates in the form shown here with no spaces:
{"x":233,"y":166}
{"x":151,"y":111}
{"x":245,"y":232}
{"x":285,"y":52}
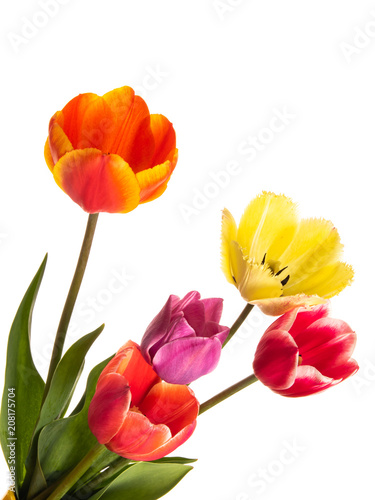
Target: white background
{"x":222,"y":68}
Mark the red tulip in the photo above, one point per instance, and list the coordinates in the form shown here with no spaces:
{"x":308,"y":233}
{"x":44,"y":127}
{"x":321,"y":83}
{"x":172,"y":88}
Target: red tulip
{"x":304,"y":352}
{"x":135,"y":414}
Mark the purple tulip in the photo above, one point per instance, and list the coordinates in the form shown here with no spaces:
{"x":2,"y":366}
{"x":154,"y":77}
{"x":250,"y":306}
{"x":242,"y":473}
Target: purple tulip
{"x":184,"y":341}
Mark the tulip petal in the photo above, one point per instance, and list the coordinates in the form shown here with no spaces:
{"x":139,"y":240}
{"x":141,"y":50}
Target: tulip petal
{"x":138,"y":436}
{"x":267,"y":226}
{"x":343,"y":371}
{"x":307,"y":317}
{"x":170,"y":404}
{"x":97,"y":182}
{"x":281,"y":305}
{"x":185,"y":301}
{"x":316,"y":244}
{"x":166,"y":448}
{"x":71,"y":118}
{"x":131,"y":136}
{"x":194,"y":314}
{"x":164,"y":137}
{"x":97,"y":126}
{"x":58,"y":142}
{"x":228,"y":234}
{"x":254,"y":281}
{"x":285,"y":321}
{"x":130,"y":363}
{"x":213,"y":329}
{"x":184,"y":360}
{"x":48,"y":156}
{"x":276,"y":360}
{"x":327,"y":281}
{"x":158,"y":328}
{"x":326,"y":344}
{"x":109,"y":407}
{"x":152,"y":179}
{"x":213,"y":309}
{"x":135,"y":369}
{"x":308,"y":381}
{"x":179,"y":329}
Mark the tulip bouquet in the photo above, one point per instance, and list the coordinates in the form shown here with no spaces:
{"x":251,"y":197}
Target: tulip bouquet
{"x":108,"y":154}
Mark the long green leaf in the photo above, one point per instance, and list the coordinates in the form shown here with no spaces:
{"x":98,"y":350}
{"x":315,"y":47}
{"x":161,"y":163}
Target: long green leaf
{"x":63,"y":443}
{"x":65,"y":379}
{"x":57,"y":401}
{"x":94,"y":480}
{"x":143,"y":481}
{"x":23,"y":380}
{"x":175,"y":460}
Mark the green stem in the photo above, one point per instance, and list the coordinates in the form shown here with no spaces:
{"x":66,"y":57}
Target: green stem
{"x":71,"y":300}
{"x":98,"y":481}
{"x":222,"y":396}
{"x":78,"y":471}
{"x":241,"y":318}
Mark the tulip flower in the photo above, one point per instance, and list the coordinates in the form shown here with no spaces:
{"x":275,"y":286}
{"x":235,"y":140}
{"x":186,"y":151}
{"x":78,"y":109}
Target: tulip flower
{"x":279,"y":262}
{"x":9,"y":496}
{"x":184,"y":340}
{"x":108,"y":153}
{"x":304,"y":352}
{"x":135,"y":414}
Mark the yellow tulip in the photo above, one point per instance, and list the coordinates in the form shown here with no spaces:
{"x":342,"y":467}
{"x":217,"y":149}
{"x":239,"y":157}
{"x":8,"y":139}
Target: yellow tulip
{"x":278,"y":261}
{"x":9,"y":496}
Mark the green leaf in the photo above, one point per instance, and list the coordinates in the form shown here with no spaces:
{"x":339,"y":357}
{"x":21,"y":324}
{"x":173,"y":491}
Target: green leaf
{"x":144,"y":481}
{"x":94,"y":479}
{"x":106,"y":459}
{"x":57,"y":401}
{"x":63,"y":443}
{"x":23,"y":380}
{"x":175,"y":460}
{"x":91,"y":483}
{"x":39,"y":482}
{"x":65,"y":379}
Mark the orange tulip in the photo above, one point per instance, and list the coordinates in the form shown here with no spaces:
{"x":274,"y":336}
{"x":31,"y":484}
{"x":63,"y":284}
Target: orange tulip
{"x":108,"y":153}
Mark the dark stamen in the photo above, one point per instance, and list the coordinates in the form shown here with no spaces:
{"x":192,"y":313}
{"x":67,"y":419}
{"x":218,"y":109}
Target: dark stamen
{"x":234,"y":279}
{"x":285,"y":280}
{"x":264,"y":259}
{"x":281,"y":270}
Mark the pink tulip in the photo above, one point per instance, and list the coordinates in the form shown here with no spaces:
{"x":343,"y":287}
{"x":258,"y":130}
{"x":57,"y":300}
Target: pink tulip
{"x":184,"y":340}
{"x":304,"y":352}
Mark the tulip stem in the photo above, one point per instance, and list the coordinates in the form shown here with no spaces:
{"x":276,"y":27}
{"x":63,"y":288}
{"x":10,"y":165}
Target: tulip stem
{"x":71,"y":300}
{"x":241,"y":318}
{"x":68,"y":481}
{"x":99,"y":480}
{"x":227,"y":393}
